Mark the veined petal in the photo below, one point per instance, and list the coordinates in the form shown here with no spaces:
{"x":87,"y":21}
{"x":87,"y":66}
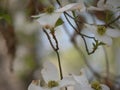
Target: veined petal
{"x":67,"y":81}
{"x":49,"y":72}
{"x":100,"y":3}
{"x":104,"y":87}
{"x":104,"y":6}
{"x":113,"y":32}
{"x":94,"y":8}
{"x":79,"y":87}
{"x":81,"y":79}
{"x":91,"y":28}
{"x":55,"y":88}
{"x":33,"y":86}
{"x":39,"y":15}
{"x":68,"y":7}
{"x":104,"y":38}
{"x":107,"y":6}
{"x":48,"y":19}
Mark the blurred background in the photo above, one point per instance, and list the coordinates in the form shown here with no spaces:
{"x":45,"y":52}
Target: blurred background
{"x":24,"y":46}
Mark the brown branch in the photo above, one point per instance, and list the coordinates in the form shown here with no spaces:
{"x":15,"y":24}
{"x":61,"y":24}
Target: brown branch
{"x":49,"y":39}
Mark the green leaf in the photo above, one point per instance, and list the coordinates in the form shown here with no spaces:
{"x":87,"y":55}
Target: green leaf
{"x":6,"y":16}
{"x":101,"y":43}
{"x":73,"y":12}
{"x":109,"y":16}
{"x":59,"y":22}
{"x":94,"y":44}
{"x":1,"y":17}
{"x":118,"y":7}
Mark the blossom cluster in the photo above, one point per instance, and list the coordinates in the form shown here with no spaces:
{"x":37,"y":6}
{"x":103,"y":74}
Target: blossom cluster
{"x":52,"y":82}
{"x":102,"y":32}
{"x":102,"y":35}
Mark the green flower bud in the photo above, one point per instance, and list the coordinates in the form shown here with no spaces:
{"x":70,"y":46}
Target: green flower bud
{"x":96,"y":85}
{"x":52,"y":84}
{"x":101,"y":30}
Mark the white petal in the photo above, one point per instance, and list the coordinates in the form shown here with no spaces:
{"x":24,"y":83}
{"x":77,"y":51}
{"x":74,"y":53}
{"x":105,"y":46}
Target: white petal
{"x":48,"y":19}
{"x":104,"y":87}
{"x":55,"y":88}
{"x":79,"y":87}
{"x":39,"y":15}
{"x":34,"y":87}
{"x":81,"y":79}
{"x":91,"y":28}
{"x":113,"y":32}
{"x":67,"y":81}
{"x":68,"y":7}
{"x":100,"y":3}
{"x":49,"y":72}
{"x":108,"y":7}
{"x":104,"y":38}
{"x":94,"y":8}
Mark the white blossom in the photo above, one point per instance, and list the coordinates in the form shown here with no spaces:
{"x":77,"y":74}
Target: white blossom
{"x":49,"y":18}
{"x":103,"y":34}
{"x":82,"y":83}
{"x":101,"y":6}
{"x":51,"y":77}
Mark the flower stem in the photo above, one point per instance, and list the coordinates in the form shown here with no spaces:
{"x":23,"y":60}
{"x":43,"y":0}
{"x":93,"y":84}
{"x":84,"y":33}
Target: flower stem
{"x":59,"y":3}
{"x":55,"y":48}
{"x":59,"y":64}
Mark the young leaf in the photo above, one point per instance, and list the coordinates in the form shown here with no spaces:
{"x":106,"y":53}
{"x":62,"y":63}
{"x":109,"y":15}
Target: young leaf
{"x":101,"y":43}
{"x":73,"y":12}
{"x":59,"y":22}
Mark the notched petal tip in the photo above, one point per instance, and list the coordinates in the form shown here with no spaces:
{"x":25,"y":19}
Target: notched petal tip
{"x":105,"y":87}
{"x":37,"y":16}
{"x":113,"y":33}
{"x":49,"y":72}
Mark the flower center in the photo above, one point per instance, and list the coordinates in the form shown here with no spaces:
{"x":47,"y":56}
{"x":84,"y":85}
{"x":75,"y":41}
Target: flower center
{"x":52,"y":84}
{"x":101,"y":30}
{"x":96,"y":85}
{"x":49,"y":9}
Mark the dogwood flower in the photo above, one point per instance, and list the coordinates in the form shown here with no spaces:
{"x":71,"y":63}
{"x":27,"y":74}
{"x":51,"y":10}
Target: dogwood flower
{"x":103,"y":34}
{"x":48,"y":19}
{"x":95,"y":85}
{"x":101,"y":6}
{"x":51,"y":77}
{"x":82,"y":83}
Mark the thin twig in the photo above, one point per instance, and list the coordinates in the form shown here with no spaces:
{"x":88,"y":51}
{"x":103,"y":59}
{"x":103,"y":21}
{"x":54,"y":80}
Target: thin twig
{"x":74,"y":43}
{"x":113,"y":21}
{"x":59,"y":3}
{"x":83,"y":36}
{"x":54,"y":37}
{"x":85,"y":60}
{"x":76,"y":29}
{"x":49,"y":39}
{"x":55,"y":49}
{"x":59,"y":64}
